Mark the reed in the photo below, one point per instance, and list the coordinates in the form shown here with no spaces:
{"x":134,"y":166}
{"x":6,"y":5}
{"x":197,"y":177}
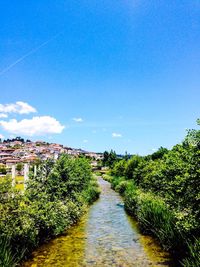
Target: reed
{"x":193,"y":258}
{"x":7,"y":259}
{"x":156,"y":218}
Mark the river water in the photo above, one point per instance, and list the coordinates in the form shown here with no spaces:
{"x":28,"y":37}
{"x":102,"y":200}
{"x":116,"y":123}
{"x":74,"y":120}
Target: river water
{"x":106,"y":236}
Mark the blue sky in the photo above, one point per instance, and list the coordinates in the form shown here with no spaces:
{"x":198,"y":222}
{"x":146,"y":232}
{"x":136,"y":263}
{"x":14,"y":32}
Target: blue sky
{"x":100,"y":74}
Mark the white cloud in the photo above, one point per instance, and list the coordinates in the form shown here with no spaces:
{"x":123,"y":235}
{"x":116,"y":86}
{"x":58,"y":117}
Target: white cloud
{"x":3,"y":115}
{"x":116,"y":135}
{"x":35,"y":126}
{"x":18,"y":107}
{"x":78,"y":119}
{"x":1,"y":136}
{"x":85,"y":141}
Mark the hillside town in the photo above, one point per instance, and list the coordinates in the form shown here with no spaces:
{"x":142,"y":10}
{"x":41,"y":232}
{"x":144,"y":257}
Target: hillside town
{"x":17,"y":150}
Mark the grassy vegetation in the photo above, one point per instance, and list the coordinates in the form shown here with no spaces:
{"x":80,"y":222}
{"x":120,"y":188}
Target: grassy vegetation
{"x":194,"y":250}
{"x":19,"y":178}
{"x":6,"y":256}
{"x":19,"y":183}
{"x":19,"y":187}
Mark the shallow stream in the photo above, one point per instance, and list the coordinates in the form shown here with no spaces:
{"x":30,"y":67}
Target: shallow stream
{"x":106,"y":236}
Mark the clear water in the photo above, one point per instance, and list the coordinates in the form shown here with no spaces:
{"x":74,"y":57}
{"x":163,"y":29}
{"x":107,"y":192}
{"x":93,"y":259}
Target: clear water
{"x":106,"y":236}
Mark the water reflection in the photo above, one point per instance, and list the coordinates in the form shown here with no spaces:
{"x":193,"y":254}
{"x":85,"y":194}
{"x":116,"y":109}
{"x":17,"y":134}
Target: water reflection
{"x":106,"y":236}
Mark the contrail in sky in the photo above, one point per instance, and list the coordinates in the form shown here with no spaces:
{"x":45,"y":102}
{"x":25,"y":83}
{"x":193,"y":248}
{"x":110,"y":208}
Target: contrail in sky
{"x":28,"y":54}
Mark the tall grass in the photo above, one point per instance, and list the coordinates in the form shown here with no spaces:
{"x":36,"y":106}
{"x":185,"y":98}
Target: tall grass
{"x":131,"y":199}
{"x":156,"y":218}
{"x":193,"y":258}
{"x":93,"y":191}
{"x":7,"y":259}
{"x":153,"y":215}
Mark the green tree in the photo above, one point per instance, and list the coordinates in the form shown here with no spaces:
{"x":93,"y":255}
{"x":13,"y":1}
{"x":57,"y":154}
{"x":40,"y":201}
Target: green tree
{"x":119,"y":168}
{"x":70,"y":175}
{"x":19,"y":167}
{"x":2,"y":169}
{"x":159,"y":153}
{"x":109,"y":158}
{"x":105,"y":158}
{"x":131,"y":166}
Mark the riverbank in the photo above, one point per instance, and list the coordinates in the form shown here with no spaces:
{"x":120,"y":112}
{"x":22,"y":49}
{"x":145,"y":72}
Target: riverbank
{"x":53,"y":202}
{"x":162,"y":190}
{"x":155,"y":218}
{"x":105,"y":236}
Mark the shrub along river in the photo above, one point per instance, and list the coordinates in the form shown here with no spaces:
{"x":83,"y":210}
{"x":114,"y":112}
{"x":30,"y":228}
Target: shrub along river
{"x":106,"y":236}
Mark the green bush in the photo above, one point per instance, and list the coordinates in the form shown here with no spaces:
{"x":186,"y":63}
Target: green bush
{"x":119,"y":168}
{"x":131,"y":166}
{"x":121,"y":187}
{"x":91,"y":194}
{"x":107,"y":178}
{"x":115,"y":181}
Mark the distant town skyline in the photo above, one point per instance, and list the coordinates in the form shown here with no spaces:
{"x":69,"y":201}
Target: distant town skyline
{"x":100,"y":75}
